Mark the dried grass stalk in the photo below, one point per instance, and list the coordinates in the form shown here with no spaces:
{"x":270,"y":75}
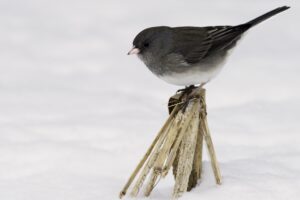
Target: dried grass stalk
{"x":182,"y":129}
{"x":149,"y":164}
{"x":186,"y":152}
{"x":211,"y":151}
{"x":163,"y":153}
{"x":142,"y":162}
{"x":197,"y":165}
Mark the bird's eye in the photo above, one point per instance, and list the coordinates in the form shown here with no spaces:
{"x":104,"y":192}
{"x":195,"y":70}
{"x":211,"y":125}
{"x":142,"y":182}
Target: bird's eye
{"x":146,"y":44}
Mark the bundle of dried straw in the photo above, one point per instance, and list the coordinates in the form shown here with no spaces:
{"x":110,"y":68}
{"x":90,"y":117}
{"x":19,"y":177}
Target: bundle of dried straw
{"x":178,"y":144}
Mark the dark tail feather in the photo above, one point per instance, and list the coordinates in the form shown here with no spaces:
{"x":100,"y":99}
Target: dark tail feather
{"x":267,"y":15}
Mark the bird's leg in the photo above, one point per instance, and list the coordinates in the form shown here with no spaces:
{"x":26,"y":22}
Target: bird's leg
{"x":186,"y":96}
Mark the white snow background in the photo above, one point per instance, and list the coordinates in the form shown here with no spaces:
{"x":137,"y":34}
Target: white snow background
{"x":77,"y":113}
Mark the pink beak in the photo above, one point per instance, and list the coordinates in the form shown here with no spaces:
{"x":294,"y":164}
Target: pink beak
{"x":133,"y":51}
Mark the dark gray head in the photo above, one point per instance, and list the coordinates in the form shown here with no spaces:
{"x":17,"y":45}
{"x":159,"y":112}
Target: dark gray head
{"x":152,"y":41}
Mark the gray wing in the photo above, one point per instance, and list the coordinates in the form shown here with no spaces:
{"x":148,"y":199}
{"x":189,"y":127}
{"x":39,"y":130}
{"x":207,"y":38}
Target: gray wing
{"x":196,"y":43}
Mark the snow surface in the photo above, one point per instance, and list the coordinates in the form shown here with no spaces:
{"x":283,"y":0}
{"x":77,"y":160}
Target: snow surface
{"x":77,"y":113}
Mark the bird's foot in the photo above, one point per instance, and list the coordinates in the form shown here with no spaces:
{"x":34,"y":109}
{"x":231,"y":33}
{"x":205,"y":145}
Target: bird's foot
{"x":186,"y":95}
{"x":187,"y":89}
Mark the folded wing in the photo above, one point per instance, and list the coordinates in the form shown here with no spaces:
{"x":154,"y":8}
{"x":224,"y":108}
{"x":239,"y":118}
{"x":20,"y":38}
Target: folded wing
{"x":197,"y":43}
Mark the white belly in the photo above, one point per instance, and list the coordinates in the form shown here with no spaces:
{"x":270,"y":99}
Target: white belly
{"x":192,"y":77}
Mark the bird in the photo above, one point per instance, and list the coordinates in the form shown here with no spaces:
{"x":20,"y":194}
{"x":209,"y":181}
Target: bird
{"x":187,"y":55}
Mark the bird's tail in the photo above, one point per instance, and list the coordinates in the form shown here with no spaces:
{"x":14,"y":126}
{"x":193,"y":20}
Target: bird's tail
{"x":267,"y":15}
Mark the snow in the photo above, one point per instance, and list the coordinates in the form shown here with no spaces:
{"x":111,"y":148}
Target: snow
{"x":77,"y":113}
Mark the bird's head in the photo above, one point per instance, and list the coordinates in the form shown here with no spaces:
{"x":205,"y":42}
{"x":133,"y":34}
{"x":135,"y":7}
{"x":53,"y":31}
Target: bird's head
{"x":154,"y":41}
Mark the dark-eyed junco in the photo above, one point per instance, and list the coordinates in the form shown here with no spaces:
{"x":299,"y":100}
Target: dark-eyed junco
{"x":190,"y":55}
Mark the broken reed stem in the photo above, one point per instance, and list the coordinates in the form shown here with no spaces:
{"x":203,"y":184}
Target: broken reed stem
{"x":211,"y":151}
{"x":208,"y":140}
{"x":197,"y":164}
{"x":152,"y":181}
{"x":198,"y":154}
{"x":141,"y":163}
{"x":186,"y":152}
{"x":153,"y":156}
{"x":163,"y":154}
{"x":183,"y":125}
{"x":149,"y":164}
